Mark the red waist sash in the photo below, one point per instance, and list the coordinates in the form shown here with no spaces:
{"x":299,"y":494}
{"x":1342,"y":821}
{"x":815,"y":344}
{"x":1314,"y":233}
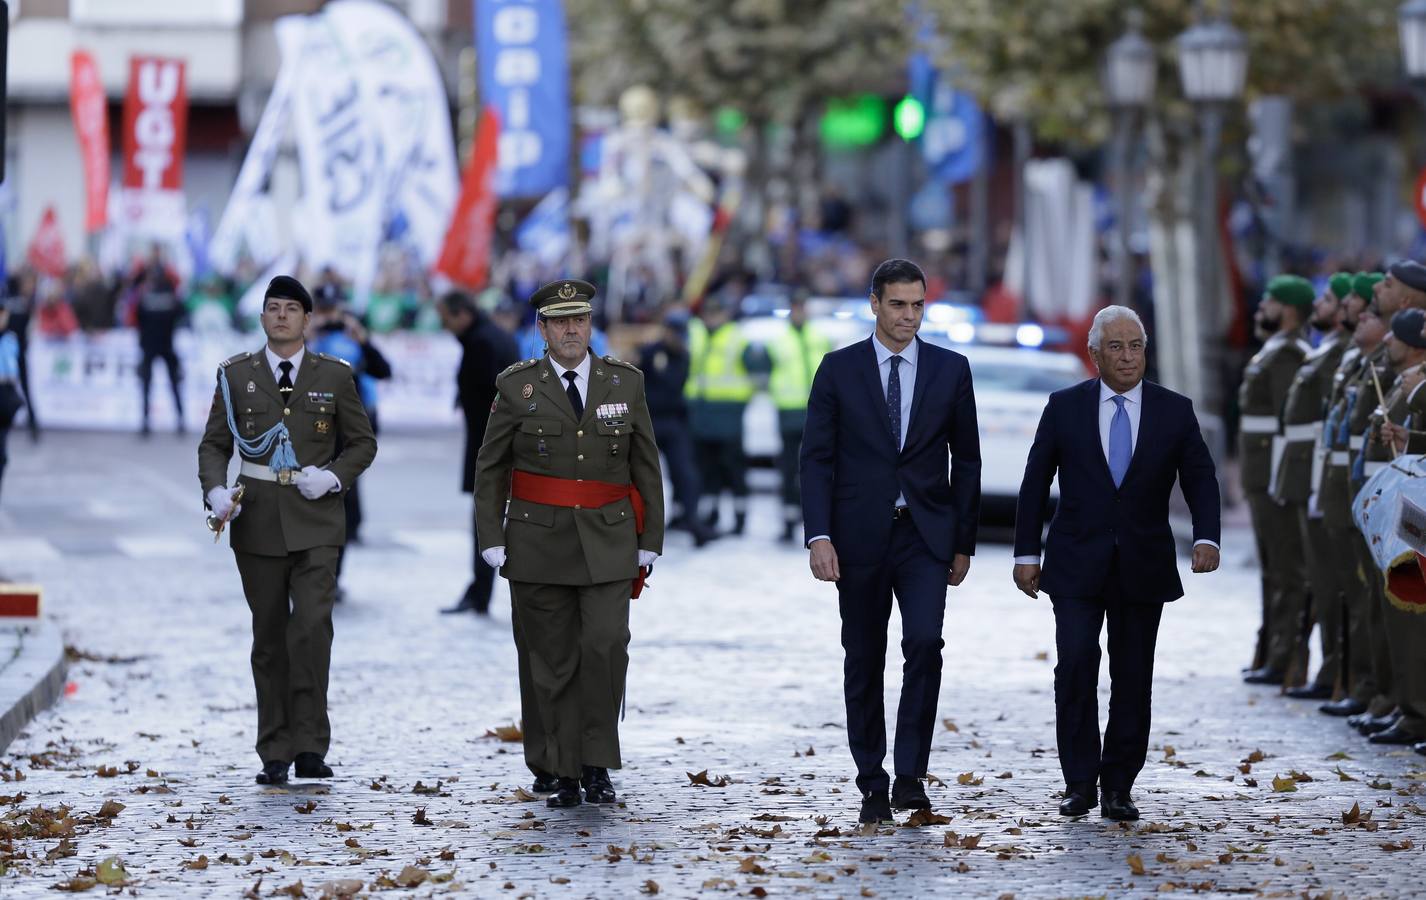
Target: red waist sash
{"x":577,"y":493}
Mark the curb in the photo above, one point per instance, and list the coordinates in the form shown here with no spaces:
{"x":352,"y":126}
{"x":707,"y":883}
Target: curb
{"x":32,"y":680}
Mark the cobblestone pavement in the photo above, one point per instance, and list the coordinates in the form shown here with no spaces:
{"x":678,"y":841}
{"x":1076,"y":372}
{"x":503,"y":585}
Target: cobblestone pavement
{"x":736,"y":671}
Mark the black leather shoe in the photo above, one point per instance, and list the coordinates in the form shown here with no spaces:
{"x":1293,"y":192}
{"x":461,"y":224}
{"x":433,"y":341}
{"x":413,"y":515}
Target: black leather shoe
{"x":597,"y":786}
{"x":310,"y":765}
{"x":274,"y":772}
{"x":907,"y":793}
{"x":1265,"y":675}
{"x":1420,"y":748}
{"x":1117,"y":806}
{"x":1395,"y":735}
{"x":1344,"y":707}
{"x":545,"y":782}
{"x":566,"y":793}
{"x":1310,"y":692}
{"x":876,"y":808}
{"x":1079,"y":799}
{"x":1356,"y":720}
{"x":1376,"y":724}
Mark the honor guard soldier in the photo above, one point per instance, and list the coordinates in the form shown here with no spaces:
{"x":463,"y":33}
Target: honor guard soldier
{"x":1295,"y":488}
{"x":286,"y":411}
{"x":1351,"y":386}
{"x":1390,"y":436}
{"x":569,"y":507}
{"x":1281,"y":314}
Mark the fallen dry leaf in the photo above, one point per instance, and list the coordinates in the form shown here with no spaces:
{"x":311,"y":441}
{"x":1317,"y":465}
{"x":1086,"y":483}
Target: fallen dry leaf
{"x":510,"y":734}
{"x":412,"y":876}
{"x":306,"y":807}
{"x":701,"y":778}
{"x":112,"y":872}
{"x":923,"y":817}
{"x":649,"y":887}
{"x":949,"y":725}
{"x":1136,"y":864}
{"x":970,"y":779}
{"x":420,"y":817}
{"x":1284,"y":785}
{"x":200,"y":863}
{"x":76,"y":884}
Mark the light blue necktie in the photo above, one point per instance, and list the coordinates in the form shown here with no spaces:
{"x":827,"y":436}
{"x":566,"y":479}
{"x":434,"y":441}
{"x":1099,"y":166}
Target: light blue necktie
{"x":1121,"y":442}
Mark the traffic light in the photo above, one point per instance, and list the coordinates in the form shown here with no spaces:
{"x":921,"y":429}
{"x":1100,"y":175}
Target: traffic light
{"x":909,"y":118}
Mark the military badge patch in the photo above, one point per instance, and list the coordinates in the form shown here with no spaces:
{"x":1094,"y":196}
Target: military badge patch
{"x":323,"y":426}
{"x":527,"y":391}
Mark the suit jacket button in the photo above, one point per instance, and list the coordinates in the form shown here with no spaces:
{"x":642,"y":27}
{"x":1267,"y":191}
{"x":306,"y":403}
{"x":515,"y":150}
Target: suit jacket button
{"x":580,"y":456}
{"x":287,"y":412}
{"x":577,"y":506}
{"x":579,"y":434}
{"x":527,"y":515}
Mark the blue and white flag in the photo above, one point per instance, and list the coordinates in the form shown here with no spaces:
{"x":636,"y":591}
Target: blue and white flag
{"x":545,"y":231}
{"x":520,"y":45}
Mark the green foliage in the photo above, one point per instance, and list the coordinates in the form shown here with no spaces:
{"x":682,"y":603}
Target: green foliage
{"x":1041,"y":59}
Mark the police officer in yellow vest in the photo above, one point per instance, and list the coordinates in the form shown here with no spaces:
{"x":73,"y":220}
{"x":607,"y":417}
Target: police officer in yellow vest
{"x":1295,"y":488}
{"x":1353,"y":385}
{"x":795,"y":354}
{"x":720,"y":384}
{"x":1280,"y":317}
{"x":569,"y":507}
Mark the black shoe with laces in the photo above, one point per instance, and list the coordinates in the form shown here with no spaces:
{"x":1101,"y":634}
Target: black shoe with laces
{"x":907,"y":793}
{"x":876,"y":808}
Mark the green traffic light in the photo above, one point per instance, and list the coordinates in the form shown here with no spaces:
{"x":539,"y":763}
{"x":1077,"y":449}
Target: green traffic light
{"x":909,"y":118}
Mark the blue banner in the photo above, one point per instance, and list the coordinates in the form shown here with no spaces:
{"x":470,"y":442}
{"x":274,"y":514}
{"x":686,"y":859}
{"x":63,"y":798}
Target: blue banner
{"x":953,"y":142}
{"x":520,"y":46}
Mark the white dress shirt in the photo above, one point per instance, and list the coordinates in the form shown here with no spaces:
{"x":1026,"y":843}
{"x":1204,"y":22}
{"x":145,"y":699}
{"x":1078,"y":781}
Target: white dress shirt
{"x":273,"y":361}
{"x":906,"y":372}
{"x":581,"y":377}
{"x":1133,"y":408}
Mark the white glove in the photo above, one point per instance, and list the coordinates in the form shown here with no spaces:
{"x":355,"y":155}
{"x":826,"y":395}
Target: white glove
{"x":314,"y":482}
{"x":221,"y":501}
{"x":647,"y":557}
{"x":494,"y":557}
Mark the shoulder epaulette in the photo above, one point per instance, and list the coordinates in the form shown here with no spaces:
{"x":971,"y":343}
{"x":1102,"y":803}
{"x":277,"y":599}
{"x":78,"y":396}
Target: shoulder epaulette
{"x":234,"y":359}
{"x":519,"y":366}
{"x":336,"y":359}
{"x":616,"y":361}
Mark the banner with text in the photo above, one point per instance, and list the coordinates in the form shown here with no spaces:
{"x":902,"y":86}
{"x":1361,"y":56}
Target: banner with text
{"x":155,"y":135}
{"x":520,"y":46}
{"x":90,"y":111}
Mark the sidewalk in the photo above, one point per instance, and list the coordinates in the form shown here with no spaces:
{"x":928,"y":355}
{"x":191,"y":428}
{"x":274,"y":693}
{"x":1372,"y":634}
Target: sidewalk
{"x":32,"y":667}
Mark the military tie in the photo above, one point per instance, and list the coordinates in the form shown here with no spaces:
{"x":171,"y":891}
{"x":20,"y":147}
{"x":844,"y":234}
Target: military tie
{"x":1121,"y":442}
{"x":572,"y":393}
{"x":284,"y":384}
{"x":893,"y":400}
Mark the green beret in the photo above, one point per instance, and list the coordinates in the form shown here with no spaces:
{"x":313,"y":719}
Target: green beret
{"x":1363,"y":282}
{"x":1341,"y":284}
{"x":1294,"y":290}
{"x":563,"y":298}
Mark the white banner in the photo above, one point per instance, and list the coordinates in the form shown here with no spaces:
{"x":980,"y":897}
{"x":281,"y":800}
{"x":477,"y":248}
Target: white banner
{"x":407,"y":97}
{"x":243,"y":219}
{"x":92,"y":382}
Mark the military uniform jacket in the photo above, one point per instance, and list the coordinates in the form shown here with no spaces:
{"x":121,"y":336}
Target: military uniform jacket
{"x":1302,"y":416}
{"x":1352,"y":382}
{"x":324,"y":409}
{"x":1266,"y":381}
{"x":532,"y":428}
{"x":1398,"y":405}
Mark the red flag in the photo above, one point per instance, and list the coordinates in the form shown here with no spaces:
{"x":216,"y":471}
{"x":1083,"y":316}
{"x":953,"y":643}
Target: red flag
{"x":46,"y":251}
{"x":90,"y":111}
{"x":155,"y":123}
{"x":465,"y":255}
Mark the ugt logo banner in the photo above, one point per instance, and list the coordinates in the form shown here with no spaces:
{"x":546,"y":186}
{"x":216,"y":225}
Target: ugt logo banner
{"x":520,"y":45}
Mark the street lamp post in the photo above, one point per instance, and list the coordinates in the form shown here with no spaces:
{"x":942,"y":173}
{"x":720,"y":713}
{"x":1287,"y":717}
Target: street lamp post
{"x":1130,"y":68}
{"x":1213,"y":65}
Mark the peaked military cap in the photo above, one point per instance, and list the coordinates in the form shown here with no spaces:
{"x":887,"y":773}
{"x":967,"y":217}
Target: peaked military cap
{"x":558,"y":299}
{"x":1294,"y":290}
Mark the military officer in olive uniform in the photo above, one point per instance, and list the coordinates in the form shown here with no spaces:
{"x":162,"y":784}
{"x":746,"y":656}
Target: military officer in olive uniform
{"x":286,"y":411}
{"x":1295,"y":488}
{"x":1281,"y":314}
{"x":1389,"y":437}
{"x":1353,"y":387}
{"x":569,"y":506}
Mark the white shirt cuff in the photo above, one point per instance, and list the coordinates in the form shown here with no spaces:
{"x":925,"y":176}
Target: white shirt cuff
{"x":1208,"y":542}
{"x":1027,"y":560}
{"x":820,"y":537}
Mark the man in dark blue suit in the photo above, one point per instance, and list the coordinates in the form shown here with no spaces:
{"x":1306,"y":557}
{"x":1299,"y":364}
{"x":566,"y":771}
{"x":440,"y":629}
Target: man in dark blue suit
{"x":1110,"y":552}
{"x":888,"y":417}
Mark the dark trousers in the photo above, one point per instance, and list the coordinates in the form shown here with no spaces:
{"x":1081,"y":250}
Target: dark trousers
{"x":477,"y":593}
{"x":723,"y":466}
{"x":291,"y":601}
{"x":31,"y":419}
{"x":676,"y":444}
{"x":351,"y":502}
{"x":918,"y":581}
{"x":175,"y":379}
{"x":787,"y":464}
{"x":4,"y":453}
{"x":1133,"y":632}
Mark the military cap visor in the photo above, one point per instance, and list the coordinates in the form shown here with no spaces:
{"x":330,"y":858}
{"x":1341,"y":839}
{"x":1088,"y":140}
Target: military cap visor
{"x":1292,"y":290}
{"x":560,"y":299}
{"x":1410,"y":273}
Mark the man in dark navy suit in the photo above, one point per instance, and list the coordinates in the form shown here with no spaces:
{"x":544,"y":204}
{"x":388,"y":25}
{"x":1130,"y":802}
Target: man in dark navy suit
{"x":887,"y":419}
{"x":1110,"y":552}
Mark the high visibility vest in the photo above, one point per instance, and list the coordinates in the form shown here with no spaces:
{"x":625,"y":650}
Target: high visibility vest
{"x":796,"y":354}
{"x":715,"y":364}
